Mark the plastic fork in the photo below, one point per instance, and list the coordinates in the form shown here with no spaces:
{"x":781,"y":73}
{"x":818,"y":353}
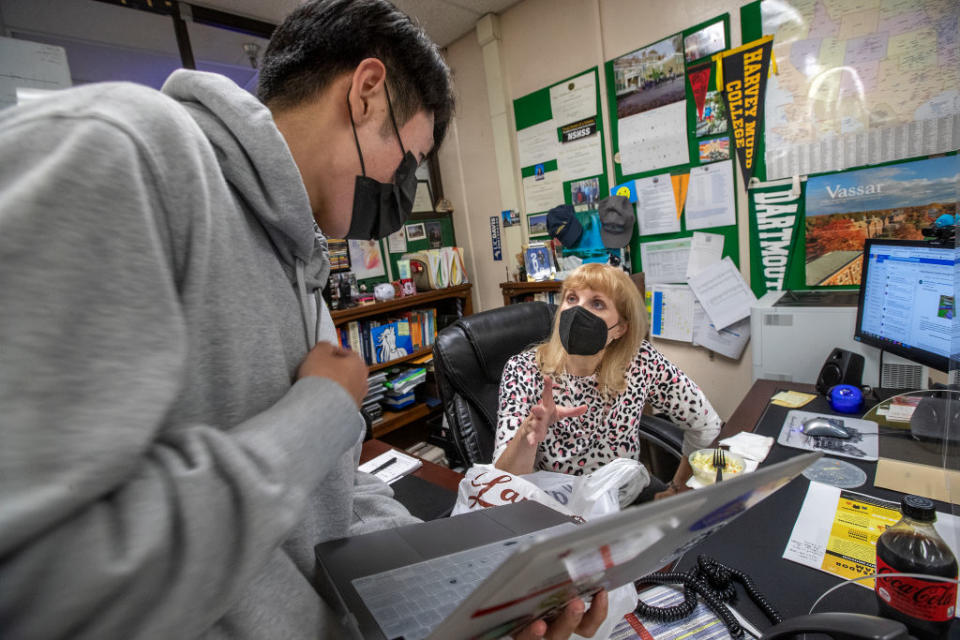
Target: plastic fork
{"x":719,"y":462}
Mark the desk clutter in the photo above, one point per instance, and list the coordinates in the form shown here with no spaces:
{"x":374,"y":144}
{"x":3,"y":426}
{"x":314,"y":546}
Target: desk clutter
{"x":396,"y":388}
{"x":861,"y":443}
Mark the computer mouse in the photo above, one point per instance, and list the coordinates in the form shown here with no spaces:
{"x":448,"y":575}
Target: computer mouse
{"x":823,"y":427}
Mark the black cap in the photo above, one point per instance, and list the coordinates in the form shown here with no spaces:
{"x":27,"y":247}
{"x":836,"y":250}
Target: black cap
{"x":563,"y":225}
{"x":918,"y":508}
{"x":616,"y":221}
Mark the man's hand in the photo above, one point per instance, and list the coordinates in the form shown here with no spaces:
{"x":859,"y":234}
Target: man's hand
{"x":572,"y":620}
{"x":545,"y":413}
{"x":341,"y":365}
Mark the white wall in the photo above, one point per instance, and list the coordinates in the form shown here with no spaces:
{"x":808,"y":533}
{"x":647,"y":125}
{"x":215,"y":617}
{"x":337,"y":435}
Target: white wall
{"x":543,"y":42}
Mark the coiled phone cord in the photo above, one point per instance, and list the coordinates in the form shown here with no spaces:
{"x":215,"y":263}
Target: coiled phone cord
{"x":714,"y":583}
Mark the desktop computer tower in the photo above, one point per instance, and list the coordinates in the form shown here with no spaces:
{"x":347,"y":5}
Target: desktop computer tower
{"x":794,"y":332}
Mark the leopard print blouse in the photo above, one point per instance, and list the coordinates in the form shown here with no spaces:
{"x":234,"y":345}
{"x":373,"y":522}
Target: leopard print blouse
{"x":609,"y":428}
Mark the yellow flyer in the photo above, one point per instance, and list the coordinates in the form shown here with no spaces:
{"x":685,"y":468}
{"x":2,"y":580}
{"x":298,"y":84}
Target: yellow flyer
{"x":857,"y":523}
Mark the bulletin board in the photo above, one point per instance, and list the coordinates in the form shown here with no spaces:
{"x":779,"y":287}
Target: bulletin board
{"x":878,"y":67}
{"x":693,"y":141}
{"x":537,"y":110}
{"x":442,"y":224}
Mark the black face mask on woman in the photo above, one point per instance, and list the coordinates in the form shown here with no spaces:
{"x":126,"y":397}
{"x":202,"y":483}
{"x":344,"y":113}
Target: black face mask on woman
{"x":582,"y":333}
{"x":380,"y":209}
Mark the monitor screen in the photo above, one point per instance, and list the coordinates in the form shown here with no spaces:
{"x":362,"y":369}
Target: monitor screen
{"x":907,"y":300}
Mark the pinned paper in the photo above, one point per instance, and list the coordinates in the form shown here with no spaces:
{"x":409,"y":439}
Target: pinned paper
{"x":699,"y":81}
{"x":680,"y":184}
{"x":627,"y":190}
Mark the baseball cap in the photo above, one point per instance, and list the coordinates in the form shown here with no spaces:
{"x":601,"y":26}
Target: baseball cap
{"x":563,"y":225}
{"x":616,"y":221}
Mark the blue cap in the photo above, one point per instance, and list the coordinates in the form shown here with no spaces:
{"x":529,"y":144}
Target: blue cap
{"x":563,"y":225}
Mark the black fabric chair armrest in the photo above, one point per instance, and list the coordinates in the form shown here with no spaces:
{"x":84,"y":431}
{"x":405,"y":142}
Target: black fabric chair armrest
{"x":663,"y":433}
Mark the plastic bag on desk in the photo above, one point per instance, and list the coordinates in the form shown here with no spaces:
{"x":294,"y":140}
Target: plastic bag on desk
{"x":484,"y":485}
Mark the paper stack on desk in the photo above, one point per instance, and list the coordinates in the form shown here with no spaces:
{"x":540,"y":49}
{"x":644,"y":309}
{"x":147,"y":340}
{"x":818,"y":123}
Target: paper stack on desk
{"x":391,"y":466}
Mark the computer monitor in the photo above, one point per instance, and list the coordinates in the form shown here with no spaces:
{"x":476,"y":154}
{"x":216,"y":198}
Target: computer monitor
{"x":907,"y":300}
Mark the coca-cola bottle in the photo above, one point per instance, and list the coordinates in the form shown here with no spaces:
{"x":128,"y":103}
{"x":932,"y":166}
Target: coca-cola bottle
{"x":912,"y":545}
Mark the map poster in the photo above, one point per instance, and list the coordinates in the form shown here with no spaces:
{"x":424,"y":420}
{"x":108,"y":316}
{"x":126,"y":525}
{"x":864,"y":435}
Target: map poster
{"x":893,"y":202}
{"x":742,"y":78}
{"x":860,"y":83}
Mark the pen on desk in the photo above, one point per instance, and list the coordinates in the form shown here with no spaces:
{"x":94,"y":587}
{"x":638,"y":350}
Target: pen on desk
{"x":383,"y":466}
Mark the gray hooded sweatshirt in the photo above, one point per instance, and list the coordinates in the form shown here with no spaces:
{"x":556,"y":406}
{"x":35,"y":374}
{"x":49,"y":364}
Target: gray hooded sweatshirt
{"x":161,"y":473}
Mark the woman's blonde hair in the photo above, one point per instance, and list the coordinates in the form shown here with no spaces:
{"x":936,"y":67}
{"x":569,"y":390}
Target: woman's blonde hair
{"x":617,"y":285}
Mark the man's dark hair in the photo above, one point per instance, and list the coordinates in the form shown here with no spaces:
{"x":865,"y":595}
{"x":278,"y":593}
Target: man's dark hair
{"x":324,"y":38}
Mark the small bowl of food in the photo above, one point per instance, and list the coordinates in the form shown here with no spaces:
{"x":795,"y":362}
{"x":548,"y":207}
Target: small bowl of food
{"x":704,"y":470}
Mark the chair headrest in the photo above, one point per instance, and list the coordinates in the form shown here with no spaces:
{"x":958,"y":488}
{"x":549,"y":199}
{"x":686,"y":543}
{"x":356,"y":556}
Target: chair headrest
{"x":498,"y":334}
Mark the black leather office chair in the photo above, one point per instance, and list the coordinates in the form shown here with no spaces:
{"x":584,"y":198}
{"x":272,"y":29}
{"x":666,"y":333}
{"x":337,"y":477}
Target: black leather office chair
{"x":469,"y":357}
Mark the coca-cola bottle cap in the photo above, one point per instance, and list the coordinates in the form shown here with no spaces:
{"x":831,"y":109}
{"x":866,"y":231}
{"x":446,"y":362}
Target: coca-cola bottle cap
{"x":918,"y":508}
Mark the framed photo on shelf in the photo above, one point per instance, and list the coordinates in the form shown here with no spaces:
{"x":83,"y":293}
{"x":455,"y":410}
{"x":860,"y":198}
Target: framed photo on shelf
{"x":537,"y":261}
{"x":537,"y":224}
{"x":423,"y":199}
{"x":415,"y":232}
{"x":366,"y":259}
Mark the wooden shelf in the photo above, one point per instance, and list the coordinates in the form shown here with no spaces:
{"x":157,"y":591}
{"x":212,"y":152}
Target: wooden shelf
{"x":413,"y":356}
{"x":342,"y":316}
{"x":512,"y":289}
{"x":393,"y":420}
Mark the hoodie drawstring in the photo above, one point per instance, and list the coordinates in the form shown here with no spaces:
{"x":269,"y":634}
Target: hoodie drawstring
{"x":311,"y":329}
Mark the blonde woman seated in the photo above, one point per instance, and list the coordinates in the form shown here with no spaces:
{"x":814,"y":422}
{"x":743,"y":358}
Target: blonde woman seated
{"x":574,"y":403}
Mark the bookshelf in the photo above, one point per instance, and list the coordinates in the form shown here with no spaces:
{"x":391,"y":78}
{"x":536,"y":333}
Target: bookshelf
{"x":446,"y":300}
{"x":515,"y":291}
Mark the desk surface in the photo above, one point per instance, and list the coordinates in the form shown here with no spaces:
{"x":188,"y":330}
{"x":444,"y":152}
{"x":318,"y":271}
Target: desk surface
{"x":755,"y":542}
{"x":441,"y":476}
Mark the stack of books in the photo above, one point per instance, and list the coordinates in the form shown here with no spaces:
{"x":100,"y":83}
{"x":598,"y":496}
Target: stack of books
{"x":430,"y":453}
{"x":376,"y":391}
{"x":400,"y":387}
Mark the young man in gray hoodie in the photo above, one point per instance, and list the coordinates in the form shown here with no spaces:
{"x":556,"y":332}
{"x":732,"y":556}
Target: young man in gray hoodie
{"x":177,"y":428}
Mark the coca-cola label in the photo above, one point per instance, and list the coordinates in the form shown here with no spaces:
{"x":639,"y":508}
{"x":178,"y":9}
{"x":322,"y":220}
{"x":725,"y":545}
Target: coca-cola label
{"x":923,"y":599}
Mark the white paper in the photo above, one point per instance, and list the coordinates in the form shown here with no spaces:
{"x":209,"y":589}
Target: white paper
{"x":574,"y":99}
{"x":710,"y":196}
{"x":402,"y":465}
{"x":729,"y":342}
{"x":671,"y":312}
{"x":25,"y":64}
{"x":421,"y":200}
{"x":654,"y":139}
{"x":666,"y":260}
{"x":397,"y":241}
{"x":581,"y":158}
{"x":705,"y":250}
{"x":543,"y":194}
{"x":811,"y":532}
{"x":723,"y":293}
{"x":656,"y":206}
{"x":537,"y":144}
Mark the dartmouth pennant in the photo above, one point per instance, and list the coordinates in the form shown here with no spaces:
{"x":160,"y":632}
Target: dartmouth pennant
{"x":774,"y":216}
{"x":742,"y":78}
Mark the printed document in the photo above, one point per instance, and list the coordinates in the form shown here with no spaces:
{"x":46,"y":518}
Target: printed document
{"x":729,"y":342}
{"x":710,"y":196}
{"x":837,"y":530}
{"x":723,"y":293}
{"x":581,"y":158}
{"x":705,"y":250}
{"x":544,"y":193}
{"x":656,"y":207}
{"x":574,"y":99}
{"x":654,"y":139}
{"x":665,"y":260}
{"x":671,"y":311}
{"x":537,"y":144}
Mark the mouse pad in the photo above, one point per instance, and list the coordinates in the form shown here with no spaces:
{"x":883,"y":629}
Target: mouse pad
{"x":861,"y":445}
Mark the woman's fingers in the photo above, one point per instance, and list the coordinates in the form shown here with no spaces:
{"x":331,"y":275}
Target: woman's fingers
{"x":571,"y":412}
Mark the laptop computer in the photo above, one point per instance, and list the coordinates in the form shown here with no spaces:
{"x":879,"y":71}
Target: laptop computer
{"x":488,"y":573}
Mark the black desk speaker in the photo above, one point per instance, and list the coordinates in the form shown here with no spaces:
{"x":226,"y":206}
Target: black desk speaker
{"x":841,"y":367}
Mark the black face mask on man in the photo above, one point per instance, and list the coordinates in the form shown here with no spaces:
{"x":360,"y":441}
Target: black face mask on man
{"x":582,"y":333}
{"x":380,"y":209}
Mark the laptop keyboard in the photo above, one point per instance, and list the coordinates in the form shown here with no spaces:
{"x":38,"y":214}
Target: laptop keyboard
{"x":410,"y":601}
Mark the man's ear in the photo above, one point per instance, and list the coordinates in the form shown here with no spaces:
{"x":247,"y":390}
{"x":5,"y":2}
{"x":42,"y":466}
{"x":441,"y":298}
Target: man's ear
{"x":365,"y":85}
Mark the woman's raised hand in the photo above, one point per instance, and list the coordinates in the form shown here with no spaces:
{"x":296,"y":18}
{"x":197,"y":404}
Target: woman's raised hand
{"x":546,"y":412}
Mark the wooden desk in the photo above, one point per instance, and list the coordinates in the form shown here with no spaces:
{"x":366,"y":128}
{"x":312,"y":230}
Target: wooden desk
{"x":434,"y":473}
{"x":748,"y":412}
